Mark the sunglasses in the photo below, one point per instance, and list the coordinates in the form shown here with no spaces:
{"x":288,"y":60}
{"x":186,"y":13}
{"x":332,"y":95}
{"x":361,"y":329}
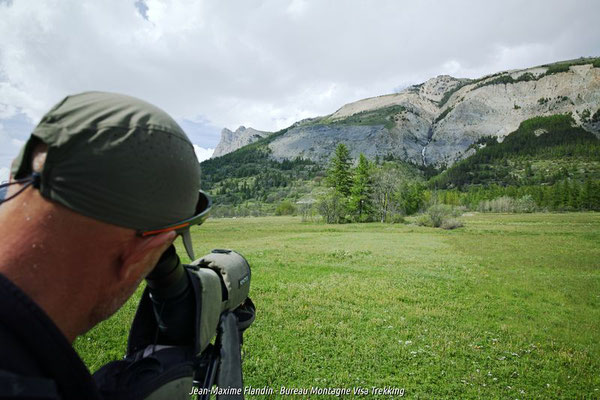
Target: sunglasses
{"x":183,"y":227}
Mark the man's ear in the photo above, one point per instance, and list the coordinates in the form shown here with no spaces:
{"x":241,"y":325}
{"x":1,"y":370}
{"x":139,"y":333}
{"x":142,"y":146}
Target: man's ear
{"x":142,"y":254}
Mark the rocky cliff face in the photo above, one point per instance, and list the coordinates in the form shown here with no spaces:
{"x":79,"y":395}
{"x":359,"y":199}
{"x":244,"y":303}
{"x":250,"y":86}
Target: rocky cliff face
{"x":437,"y":122}
{"x":231,"y":141}
{"x":498,"y":109}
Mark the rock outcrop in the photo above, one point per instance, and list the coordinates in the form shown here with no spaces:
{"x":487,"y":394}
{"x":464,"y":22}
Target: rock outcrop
{"x":231,"y":141}
{"x":498,"y":109}
{"x":436,"y":122}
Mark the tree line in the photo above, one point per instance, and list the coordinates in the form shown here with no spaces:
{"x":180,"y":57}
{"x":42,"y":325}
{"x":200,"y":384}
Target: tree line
{"x":388,"y":191}
{"x":548,"y":164}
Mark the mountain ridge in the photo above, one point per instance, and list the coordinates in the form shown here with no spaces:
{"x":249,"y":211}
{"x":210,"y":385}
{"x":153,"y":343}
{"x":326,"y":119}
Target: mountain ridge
{"x":437,"y":122}
{"x":231,"y":141}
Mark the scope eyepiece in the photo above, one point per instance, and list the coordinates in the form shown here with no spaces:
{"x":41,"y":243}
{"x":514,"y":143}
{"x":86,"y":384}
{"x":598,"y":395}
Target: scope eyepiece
{"x":173,"y":299}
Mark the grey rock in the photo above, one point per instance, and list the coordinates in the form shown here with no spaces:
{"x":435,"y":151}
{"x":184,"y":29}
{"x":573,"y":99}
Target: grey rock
{"x":431,"y":133}
{"x":231,"y":141}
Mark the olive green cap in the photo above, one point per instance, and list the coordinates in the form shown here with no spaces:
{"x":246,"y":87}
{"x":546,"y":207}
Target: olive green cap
{"x":117,"y":159}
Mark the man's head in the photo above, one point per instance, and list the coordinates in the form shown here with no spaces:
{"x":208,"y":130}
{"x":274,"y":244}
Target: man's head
{"x":107,"y":168}
{"x":116,"y":159}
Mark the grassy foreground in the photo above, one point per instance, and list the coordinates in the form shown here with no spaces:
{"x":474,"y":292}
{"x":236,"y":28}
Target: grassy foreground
{"x":506,"y":307}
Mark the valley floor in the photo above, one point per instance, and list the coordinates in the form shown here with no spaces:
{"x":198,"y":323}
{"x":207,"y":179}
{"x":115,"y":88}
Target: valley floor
{"x":506,"y":307}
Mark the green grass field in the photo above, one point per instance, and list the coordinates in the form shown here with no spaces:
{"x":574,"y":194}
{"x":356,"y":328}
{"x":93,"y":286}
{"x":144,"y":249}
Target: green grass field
{"x":506,"y":307}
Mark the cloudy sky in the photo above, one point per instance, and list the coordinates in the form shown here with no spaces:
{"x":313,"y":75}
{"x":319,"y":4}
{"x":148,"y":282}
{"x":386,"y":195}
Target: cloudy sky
{"x":264,"y":63}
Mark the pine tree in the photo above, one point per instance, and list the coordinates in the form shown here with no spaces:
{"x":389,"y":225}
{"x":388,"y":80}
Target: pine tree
{"x":574,"y":196}
{"x":339,"y":175}
{"x":361,"y":191}
{"x":528,"y":170}
{"x":586,"y":195}
{"x":594,"y":195}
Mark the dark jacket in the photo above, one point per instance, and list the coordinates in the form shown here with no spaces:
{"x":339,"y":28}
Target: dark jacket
{"x":36,"y":360}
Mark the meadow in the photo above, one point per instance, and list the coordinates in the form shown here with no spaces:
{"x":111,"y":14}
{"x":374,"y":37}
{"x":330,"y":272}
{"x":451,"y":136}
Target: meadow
{"x":506,"y":307}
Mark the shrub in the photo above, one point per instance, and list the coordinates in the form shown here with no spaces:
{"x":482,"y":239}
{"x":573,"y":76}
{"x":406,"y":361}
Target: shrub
{"x":451,"y":223}
{"x":285,"y":208}
{"x":506,"y":204}
{"x":381,"y":116}
{"x":440,"y":216}
{"x":333,"y":207}
{"x":439,"y":213}
{"x":508,"y":79}
{"x":423,"y":220}
{"x":501,"y":204}
{"x":596,"y":117}
{"x":564,"y":66}
{"x":585,"y":115}
{"x":308,"y":211}
{"x":397,"y":219}
{"x":443,"y":115}
{"x":556,"y":68}
{"x":525,"y":204}
{"x":450,"y":92}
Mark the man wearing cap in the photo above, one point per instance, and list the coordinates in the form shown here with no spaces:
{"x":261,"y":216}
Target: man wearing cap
{"x":97,"y":194}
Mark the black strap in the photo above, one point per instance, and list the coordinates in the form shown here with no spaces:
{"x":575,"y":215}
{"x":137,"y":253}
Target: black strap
{"x":229,"y":374}
{"x":33,"y":180}
{"x":14,"y":386}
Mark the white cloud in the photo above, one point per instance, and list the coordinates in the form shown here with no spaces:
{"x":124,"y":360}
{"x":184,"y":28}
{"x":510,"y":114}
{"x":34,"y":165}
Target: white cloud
{"x":267,"y":63}
{"x":4,"y":174}
{"x":297,"y":8}
{"x":202,"y":153}
{"x":9,"y":147}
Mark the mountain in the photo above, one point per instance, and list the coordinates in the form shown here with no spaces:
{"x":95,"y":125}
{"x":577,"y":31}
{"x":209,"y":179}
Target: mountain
{"x":437,"y":123}
{"x":530,"y":135}
{"x":231,"y":141}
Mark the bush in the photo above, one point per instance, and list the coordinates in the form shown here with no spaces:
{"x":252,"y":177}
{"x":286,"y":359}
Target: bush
{"x":452,"y":223}
{"x":423,"y":220}
{"x":506,"y":204}
{"x":285,"y":208}
{"x":500,"y":204}
{"x":439,"y":213}
{"x":585,"y":115}
{"x":308,"y":211}
{"x":333,"y":207}
{"x":443,"y":115}
{"x":397,"y":219}
{"x":525,"y":204}
{"x":557,"y":68}
{"x":543,"y":100}
{"x":440,"y":216}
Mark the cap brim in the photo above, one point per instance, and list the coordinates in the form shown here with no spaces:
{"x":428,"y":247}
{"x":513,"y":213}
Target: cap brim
{"x":203,"y":206}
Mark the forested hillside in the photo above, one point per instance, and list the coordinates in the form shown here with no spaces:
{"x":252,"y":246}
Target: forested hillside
{"x":547,"y":158}
{"x":249,"y":182}
{"x":543,"y":151}
{"x":548,"y":163}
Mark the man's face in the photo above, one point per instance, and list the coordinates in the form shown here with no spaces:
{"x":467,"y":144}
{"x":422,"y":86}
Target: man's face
{"x":112,"y":302}
{"x":121,"y":289}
